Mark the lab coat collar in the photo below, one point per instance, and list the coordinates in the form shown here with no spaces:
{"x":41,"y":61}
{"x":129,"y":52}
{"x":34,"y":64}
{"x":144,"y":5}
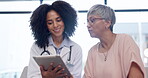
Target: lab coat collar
{"x":51,"y":49}
{"x":63,"y":52}
{"x":65,"y":46}
{"x":66,"y":42}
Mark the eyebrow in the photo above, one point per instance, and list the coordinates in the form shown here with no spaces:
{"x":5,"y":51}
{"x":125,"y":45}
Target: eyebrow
{"x":56,"y":18}
{"x":91,"y":17}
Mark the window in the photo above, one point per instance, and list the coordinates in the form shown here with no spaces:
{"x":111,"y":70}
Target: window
{"x":16,"y":39}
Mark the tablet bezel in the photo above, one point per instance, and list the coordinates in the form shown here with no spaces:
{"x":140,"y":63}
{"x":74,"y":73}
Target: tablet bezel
{"x":46,"y":60}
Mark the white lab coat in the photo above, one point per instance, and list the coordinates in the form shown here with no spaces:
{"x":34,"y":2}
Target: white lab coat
{"x":74,"y":65}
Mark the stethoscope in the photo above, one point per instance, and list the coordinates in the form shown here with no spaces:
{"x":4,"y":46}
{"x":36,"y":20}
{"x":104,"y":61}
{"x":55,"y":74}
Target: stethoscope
{"x":46,"y":51}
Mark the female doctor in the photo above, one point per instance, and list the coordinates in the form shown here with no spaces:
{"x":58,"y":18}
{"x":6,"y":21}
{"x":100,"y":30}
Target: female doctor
{"x":51,"y":26}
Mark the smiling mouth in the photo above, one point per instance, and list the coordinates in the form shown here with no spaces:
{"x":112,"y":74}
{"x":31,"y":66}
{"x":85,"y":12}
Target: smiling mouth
{"x":57,"y":30}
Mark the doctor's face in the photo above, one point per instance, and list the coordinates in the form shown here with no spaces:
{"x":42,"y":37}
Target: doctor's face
{"x":55,"y":23}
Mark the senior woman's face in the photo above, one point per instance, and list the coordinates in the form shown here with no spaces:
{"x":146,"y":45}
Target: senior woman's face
{"x":95,"y":25}
{"x":55,"y":23}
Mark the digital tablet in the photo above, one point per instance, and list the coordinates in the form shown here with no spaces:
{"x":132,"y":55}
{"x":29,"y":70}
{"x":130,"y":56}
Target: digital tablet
{"x":46,"y":60}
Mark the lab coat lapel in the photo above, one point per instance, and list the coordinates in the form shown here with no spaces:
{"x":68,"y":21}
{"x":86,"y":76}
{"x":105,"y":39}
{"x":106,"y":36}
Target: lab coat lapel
{"x":64,"y":51}
{"x":51,"y":49}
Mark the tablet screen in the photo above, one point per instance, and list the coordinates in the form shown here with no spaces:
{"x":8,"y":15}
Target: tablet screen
{"x":46,"y":60}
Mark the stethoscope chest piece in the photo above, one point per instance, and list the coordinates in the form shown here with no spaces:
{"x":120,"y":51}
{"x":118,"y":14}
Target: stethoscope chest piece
{"x":45,"y":52}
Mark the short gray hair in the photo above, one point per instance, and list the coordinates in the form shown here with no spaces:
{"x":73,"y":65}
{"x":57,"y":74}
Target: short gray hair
{"x":104,"y":12}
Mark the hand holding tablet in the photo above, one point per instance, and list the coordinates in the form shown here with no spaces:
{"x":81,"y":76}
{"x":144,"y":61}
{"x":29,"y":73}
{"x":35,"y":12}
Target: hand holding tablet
{"x":52,"y":64}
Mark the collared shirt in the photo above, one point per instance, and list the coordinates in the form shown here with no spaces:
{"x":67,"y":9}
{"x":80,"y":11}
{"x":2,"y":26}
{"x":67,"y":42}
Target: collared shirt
{"x":58,"y":49}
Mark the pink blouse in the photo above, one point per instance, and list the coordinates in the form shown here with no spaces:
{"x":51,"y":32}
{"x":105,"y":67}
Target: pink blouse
{"x":122,"y":53}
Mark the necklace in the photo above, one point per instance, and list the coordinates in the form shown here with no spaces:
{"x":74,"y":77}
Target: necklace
{"x":104,"y":53}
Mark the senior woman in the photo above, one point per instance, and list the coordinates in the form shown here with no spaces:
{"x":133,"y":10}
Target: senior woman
{"x":115,"y":55}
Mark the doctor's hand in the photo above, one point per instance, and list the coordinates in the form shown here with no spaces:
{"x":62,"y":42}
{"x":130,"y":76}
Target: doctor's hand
{"x":53,"y":72}
{"x":68,"y":77}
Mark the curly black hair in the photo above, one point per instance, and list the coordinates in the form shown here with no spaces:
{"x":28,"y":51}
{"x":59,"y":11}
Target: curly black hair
{"x":38,"y":21}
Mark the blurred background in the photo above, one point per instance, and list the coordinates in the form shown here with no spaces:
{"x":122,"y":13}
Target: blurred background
{"x":16,"y":38}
